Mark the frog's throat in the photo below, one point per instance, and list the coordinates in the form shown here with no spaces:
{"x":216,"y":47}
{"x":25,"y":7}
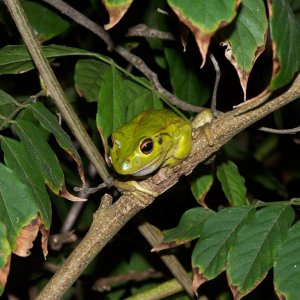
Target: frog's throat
{"x":152,"y":166}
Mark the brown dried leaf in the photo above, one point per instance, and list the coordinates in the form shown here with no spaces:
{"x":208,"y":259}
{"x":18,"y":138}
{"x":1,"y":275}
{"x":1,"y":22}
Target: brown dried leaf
{"x":28,"y":234}
{"x":65,"y":194}
{"x":116,"y":12}
{"x":198,"y":280}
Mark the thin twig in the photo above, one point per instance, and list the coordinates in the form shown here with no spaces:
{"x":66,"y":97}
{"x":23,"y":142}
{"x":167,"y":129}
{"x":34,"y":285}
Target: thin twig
{"x":281,"y":131}
{"x":81,"y":19}
{"x":217,"y":80}
{"x":146,"y":31}
{"x":105,"y":283}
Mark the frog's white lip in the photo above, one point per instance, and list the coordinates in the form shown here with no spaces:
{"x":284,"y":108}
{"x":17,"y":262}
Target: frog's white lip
{"x":150,"y":167}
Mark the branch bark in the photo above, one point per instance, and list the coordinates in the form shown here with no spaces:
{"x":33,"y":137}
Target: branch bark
{"x":107,"y":222}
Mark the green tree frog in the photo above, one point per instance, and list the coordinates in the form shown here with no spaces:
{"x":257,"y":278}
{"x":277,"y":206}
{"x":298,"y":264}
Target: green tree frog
{"x":151,"y":140}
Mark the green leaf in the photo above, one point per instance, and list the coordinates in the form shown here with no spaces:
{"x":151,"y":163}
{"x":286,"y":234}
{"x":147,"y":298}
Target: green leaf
{"x":200,"y":187}
{"x":185,"y":79}
{"x":16,"y":59}
{"x":5,"y":253}
{"x":17,"y":204}
{"x":16,"y":158}
{"x":116,"y":10}
{"x":287,"y":266}
{"x":111,"y":112}
{"x":255,"y":250}
{"x":233,"y":184}
{"x":285,"y":36}
{"x":245,"y":38}
{"x":140,"y":99}
{"x":44,"y":156}
{"x":218,"y":234}
{"x":89,"y":77}
{"x":189,"y":227}
{"x":45,"y":23}
{"x":120,"y":100}
{"x":204,"y":18}
{"x":50,"y":123}
{"x":7,"y":107}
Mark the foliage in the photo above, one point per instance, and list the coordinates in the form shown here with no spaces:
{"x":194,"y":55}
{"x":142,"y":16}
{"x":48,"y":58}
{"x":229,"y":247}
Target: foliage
{"x":247,"y":225}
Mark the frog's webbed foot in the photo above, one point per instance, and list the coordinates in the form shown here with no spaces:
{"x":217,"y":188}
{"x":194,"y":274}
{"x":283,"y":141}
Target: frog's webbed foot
{"x":208,"y":134}
{"x":203,"y":120}
{"x":132,"y":185}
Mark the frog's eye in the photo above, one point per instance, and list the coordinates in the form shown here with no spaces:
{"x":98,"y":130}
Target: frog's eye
{"x":146,"y":146}
{"x":110,"y":141}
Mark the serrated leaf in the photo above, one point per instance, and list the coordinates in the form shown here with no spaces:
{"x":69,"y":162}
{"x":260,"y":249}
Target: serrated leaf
{"x":185,"y":79}
{"x":45,"y":23}
{"x":16,"y":59}
{"x":204,"y":18}
{"x":287,"y":266}
{"x":5,"y":253}
{"x":218,"y":234}
{"x":116,"y":10}
{"x":50,"y":123}
{"x":255,"y":249}
{"x":7,"y":107}
{"x":46,"y":159}
{"x":17,"y":204}
{"x":285,"y":36}
{"x":200,"y":187}
{"x":16,"y":158}
{"x":233,"y":184}
{"x":88,"y":78}
{"x":189,"y":227}
{"x":44,"y":156}
{"x":245,"y":38}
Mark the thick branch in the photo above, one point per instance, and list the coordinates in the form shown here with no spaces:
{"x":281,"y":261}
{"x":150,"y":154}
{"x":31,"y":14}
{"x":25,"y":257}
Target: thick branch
{"x":108,"y":221}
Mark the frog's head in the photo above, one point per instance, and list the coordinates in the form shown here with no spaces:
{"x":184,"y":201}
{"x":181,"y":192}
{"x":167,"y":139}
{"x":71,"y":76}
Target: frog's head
{"x":136,"y":155}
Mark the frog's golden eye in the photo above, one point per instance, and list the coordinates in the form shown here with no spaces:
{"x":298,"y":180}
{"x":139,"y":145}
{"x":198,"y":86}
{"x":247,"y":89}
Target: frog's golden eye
{"x":110,"y":141}
{"x":146,"y":146}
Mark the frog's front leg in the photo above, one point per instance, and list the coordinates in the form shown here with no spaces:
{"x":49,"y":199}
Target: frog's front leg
{"x":203,"y":119}
{"x":131,"y":186}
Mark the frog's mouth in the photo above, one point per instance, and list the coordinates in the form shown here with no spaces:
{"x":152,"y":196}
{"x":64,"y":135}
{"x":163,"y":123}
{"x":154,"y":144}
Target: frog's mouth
{"x":152,"y":166}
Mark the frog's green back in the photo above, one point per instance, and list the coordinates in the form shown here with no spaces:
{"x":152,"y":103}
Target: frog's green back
{"x":153,"y":121}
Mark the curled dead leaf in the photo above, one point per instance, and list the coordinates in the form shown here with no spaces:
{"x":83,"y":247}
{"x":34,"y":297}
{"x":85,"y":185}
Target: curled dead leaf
{"x":28,"y":234}
{"x":198,"y":279}
{"x":65,"y":194}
